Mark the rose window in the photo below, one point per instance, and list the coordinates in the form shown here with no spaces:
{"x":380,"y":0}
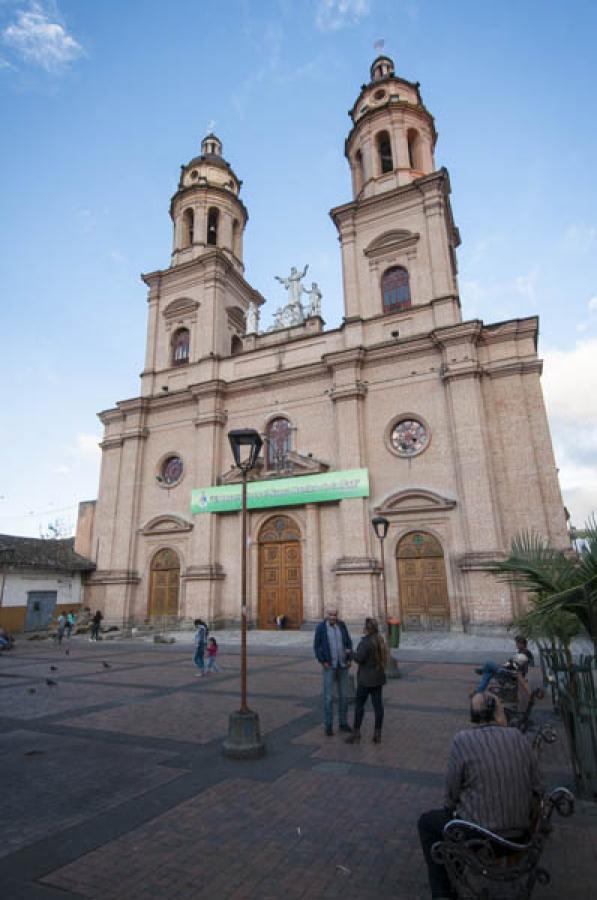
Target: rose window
{"x":409,"y":437}
{"x":172,"y":470}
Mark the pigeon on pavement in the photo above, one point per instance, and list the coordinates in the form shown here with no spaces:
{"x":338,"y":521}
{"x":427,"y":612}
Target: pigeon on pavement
{"x":51,"y":683}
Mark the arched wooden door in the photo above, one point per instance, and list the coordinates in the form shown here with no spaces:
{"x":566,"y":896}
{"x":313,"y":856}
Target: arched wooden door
{"x":164,"y":584}
{"x":280,"y":573}
{"x":422,"y":582}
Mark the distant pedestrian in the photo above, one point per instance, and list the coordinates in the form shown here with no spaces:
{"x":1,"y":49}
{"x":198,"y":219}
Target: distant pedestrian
{"x":332,"y":646}
{"x":212,"y":652}
{"x":372,"y":657}
{"x":70,"y":623}
{"x":200,"y":644}
{"x":95,"y":626}
{"x":60,"y":627}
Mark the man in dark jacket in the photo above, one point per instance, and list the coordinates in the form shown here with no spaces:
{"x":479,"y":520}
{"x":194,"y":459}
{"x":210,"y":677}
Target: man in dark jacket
{"x":333,"y":649}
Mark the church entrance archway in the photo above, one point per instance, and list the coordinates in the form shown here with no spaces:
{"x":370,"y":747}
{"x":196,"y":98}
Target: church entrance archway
{"x":422,"y":582}
{"x":164,"y":584}
{"x":280,"y":573}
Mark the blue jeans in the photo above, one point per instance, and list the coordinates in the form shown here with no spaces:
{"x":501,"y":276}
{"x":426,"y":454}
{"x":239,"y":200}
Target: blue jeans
{"x":340,"y":677}
{"x":489,"y":670}
{"x":212,"y":665}
{"x":198,"y":657}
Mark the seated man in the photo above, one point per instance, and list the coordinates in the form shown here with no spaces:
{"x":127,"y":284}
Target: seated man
{"x":519,"y":663}
{"x":6,"y":641}
{"x":491,"y":779}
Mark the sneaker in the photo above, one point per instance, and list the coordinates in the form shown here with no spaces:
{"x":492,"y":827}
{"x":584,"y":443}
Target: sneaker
{"x":345,"y":728}
{"x":479,"y":670}
{"x":199,"y":674}
{"x":329,"y":731}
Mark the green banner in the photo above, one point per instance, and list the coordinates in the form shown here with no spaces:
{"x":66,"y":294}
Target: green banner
{"x":282,"y":491}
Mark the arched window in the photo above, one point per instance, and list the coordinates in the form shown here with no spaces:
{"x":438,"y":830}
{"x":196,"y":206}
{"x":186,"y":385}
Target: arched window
{"x":358,"y":171}
{"x":395,"y":289}
{"x":278,"y":443}
{"x":188,"y":227}
{"x":181,"y":341}
{"x":236,"y":238}
{"x":212,"y":226}
{"x":414,"y":148}
{"x":236,"y":345}
{"x":384,"y":151}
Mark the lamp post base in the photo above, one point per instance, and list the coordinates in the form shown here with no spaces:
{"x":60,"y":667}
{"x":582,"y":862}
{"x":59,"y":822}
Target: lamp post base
{"x":392,"y":670}
{"x":244,"y":736}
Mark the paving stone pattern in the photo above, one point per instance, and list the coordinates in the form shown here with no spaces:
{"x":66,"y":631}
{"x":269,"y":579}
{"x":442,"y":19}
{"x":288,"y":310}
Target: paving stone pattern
{"x":115,"y":785}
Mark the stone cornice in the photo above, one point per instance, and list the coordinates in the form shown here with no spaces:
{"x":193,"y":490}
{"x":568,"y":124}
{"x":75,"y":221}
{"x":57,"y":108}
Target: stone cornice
{"x":283,"y":376}
{"x":215,"y":388}
{"x":208,"y":572}
{"x":218,"y":260}
{"x":215,"y":417}
{"x":356,"y":565}
{"x":342,"y":359}
{"x":139,"y":434}
{"x":184,"y":192}
{"x":355,"y":391}
{"x":517,"y":367}
{"x":114,"y":576}
{"x":495,"y":333}
{"x":480,"y":561}
{"x":436,"y":180}
{"x":465,"y":332}
{"x":467,"y":369}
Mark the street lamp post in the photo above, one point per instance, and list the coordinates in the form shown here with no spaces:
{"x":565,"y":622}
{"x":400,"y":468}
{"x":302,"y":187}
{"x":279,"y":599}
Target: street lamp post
{"x":244,"y":735}
{"x":380,"y":526}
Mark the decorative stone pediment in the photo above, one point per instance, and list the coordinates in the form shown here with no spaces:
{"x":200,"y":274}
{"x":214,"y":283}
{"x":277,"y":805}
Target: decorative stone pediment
{"x":414,"y":500}
{"x":296,"y":464}
{"x":397,"y":239}
{"x":166,"y":523}
{"x":182,"y":307}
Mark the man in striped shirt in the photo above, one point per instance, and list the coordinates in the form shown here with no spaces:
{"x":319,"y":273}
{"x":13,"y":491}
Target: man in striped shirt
{"x":492,"y":776}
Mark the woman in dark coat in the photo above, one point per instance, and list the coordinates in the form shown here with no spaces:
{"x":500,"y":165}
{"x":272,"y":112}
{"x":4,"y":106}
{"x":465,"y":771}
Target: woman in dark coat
{"x":372,"y":657}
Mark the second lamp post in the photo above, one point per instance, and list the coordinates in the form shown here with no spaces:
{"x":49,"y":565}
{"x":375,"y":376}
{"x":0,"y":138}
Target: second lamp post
{"x":380,"y":526}
{"x":244,"y":735}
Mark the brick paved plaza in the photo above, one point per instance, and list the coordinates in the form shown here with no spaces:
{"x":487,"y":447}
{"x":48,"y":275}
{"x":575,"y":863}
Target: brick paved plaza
{"x":114,"y":786}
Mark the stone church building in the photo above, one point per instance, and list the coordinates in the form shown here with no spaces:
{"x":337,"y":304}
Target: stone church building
{"x":406,"y":410}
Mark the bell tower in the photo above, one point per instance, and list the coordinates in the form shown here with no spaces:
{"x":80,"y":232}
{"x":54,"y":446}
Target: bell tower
{"x":398,"y":235}
{"x":206,"y":210}
{"x":198,"y":306}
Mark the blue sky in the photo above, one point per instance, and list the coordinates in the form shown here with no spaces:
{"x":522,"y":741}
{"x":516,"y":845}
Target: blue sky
{"x":102,"y":102}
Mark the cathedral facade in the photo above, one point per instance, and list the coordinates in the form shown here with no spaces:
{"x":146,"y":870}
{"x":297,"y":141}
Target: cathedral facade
{"x":406,"y":410}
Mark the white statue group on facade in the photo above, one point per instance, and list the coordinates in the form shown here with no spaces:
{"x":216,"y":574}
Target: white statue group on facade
{"x":294,"y":312}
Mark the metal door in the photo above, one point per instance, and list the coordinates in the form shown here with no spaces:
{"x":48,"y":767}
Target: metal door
{"x":40,"y":609}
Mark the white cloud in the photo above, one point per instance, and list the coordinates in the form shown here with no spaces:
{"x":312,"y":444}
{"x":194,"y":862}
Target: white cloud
{"x":87,"y":446}
{"x":332,"y":15}
{"x":37,"y":39}
{"x":570,"y":383}
{"x":579,"y":238}
{"x":62,"y":470}
{"x":592,"y":304}
{"x":570,"y":387}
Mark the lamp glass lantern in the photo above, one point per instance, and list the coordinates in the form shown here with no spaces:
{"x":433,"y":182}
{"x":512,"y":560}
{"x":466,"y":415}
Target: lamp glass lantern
{"x":245,"y":439}
{"x":380,"y":525}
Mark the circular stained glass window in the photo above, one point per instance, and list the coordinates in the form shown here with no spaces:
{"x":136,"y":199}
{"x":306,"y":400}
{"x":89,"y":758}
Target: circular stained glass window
{"x":409,"y":437}
{"x":172,"y":470}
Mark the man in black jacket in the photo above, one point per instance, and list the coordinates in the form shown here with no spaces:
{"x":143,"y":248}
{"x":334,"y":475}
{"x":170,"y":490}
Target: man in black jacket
{"x":333,"y":649}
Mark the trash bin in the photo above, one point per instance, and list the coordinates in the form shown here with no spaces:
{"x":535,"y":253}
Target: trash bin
{"x":394,"y":632}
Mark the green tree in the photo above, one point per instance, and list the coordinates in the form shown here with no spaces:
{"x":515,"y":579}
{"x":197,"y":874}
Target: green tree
{"x":562,"y":587}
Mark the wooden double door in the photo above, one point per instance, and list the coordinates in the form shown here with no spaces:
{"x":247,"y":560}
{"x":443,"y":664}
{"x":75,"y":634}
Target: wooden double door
{"x":280,"y":573}
{"x":164,"y":586}
{"x":422,"y":582}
